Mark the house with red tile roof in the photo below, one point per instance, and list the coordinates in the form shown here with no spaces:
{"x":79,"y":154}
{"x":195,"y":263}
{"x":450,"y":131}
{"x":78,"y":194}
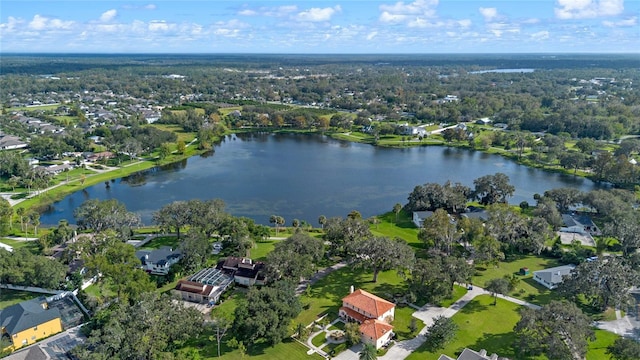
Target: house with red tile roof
{"x":373,"y":313}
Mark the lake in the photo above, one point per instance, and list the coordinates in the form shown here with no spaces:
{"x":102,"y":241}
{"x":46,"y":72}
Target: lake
{"x":305,"y":176}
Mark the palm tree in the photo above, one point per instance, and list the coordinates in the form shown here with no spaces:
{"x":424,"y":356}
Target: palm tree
{"x":396,"y":209}
{"x":368,"y":352}
{"x":21,"y":212}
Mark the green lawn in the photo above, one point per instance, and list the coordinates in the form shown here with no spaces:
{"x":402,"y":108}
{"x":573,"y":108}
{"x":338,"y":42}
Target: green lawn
{"x":527,"y":289}
{"x":326,"y":295}
{"x":32,"y":246}
{"x":319,"y":339}
{"x":11,"y":297}
{"x":287,"y":350}
{"x":171,"y":241}
{"x":484,"y":326}
{"x":458,"y":292}
{"x":404,"y":229}
{"x":228,"y":306}
{"x":261,"y":249}
{"x":402,"y":320}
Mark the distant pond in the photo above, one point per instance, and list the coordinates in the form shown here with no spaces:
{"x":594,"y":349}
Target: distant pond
{"x":305,"y":176}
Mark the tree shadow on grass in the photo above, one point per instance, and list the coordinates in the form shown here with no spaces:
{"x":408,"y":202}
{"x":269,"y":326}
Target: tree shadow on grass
{"x":474,"y":307}
{"x":544,"y":296}
{"x":500,"y":344}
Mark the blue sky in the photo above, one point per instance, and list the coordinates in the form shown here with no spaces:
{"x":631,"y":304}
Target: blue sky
{"x":342,"y":26}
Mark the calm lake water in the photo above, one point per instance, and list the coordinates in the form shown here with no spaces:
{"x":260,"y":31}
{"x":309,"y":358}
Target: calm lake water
{"x":305,"y":176}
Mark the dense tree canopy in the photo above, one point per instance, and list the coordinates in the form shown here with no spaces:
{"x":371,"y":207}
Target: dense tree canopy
{"x":558,"y":330}
{"x":295,"y":257}
{"x":266,"y":314}
{"x":103,"y":215}
{"x":382,"y":253}
{"x":154,"y":327}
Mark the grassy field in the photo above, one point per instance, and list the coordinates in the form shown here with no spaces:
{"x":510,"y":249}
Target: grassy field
{"x":479,"y":329}
{"x":402,"y":321}
{"x":32,"y":246}
{"x":171,"y":241}
{"x":527,"y":289}
{"x":11,"y":297}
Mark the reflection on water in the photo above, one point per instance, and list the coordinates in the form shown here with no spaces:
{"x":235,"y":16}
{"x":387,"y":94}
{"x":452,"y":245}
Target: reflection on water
{"x":305,"y":176}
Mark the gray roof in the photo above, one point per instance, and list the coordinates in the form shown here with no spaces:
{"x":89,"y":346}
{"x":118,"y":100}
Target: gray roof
{"x":580,"y":220}
{"x":31,"y":353}
{"x":158,"y":256}
{"x":26,"y":314}
{"x":468,"y":354}
{"x":554,"y":275}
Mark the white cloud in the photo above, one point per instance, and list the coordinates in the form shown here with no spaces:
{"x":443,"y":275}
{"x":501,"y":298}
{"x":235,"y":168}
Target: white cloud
{"x":585,"y":9}
{"x":400,"y":11}
{"x":248,"y":12}
{"x":488,"y":13}
{"x":540,"y":35}
{"x":632,"y":21}
{"x":150,"y":6}
{"x":278,"y":11}
{"x":160,"y":25}
{"x":40,"y":22}
{"x":464,"y":23}
{"x":371,"y":35}
{"x":11,"y":24}
{"x":318,"y":14}
{"x":108,"y":15}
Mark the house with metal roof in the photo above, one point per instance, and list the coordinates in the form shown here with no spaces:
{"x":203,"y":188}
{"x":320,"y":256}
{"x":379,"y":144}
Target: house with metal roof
{"x":29,"y":321}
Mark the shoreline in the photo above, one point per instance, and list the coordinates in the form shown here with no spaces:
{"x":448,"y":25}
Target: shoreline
{"x":38,"y":200}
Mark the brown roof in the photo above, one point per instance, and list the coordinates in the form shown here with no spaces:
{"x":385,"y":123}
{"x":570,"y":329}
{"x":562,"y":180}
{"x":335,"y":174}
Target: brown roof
{"x":194,"y":287}
{"x":368,"y":302}
{"x":354,"y":314}
{"x":375,"y":329}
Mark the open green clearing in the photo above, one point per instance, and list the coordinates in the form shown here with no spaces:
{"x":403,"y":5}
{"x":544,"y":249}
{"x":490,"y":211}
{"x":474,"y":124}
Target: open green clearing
{"x":160,"y":241}
{"x":527,"y":289}
{"x":32,"y":246}
{"x":485,"y":326}
{"x":402,"y":321}
{"x":11,"y":297}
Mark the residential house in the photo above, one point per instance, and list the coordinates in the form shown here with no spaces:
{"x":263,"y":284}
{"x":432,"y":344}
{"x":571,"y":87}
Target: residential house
{"x":468,"y":354}
{"x":552,"y":277}
{"x":476,"y":213}
{"x":9,"y":142}
{"x":205,"y":286}
{"x":29,"y":321}
{"x":420,"y":216}
{"x":244,"y":271}
{"x":580,"y":224}
{"x":484,"y":121}
{"x":373,"y":313}
{"x":158,"y":261}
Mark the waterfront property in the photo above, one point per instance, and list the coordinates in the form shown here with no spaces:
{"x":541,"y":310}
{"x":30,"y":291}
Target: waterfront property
{"x":158,"y":261}
{"x":29,"y":321}
{"x":244,"y":271}
{"x":373,"y":313}
{"x":419,"y":217}
{"x":552,"y":277}
{"x":203,"y":287}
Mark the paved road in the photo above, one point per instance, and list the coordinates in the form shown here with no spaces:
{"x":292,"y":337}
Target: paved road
{"x":427,"y":313}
